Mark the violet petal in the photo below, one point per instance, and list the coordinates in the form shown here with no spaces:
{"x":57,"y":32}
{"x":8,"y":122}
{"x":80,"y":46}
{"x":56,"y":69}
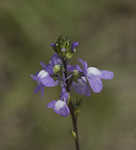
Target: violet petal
{"x":95,"y":83}
{"x":107,"y":75}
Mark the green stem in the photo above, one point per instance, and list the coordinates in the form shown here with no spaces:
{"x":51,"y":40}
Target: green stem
{"x":72,"y":109}
{"x":75,"y":127}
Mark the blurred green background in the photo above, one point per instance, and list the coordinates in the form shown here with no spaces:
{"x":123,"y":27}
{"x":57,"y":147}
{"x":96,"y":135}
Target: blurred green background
{"x":106,"y":31}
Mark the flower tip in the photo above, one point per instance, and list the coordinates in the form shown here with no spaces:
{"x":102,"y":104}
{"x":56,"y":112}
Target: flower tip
{"x":42,"y":64}
{"x":51,"y":104}
{"x":33,"y":77}
{"x":75,"y":44}
{"x":81,"y":61}
{"x":52,"y":44}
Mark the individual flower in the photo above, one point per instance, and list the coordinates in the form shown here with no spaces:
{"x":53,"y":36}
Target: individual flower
{"x":79,"y":84}
{"x":60,"y":107}
{"x":54,"y":63}
{"x":44,"y":80}
{"x":93,"y":75}
{"x":81,"y":87}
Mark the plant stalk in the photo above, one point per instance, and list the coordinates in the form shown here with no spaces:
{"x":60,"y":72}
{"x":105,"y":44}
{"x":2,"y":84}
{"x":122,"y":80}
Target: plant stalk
{"x":75,"y":126}
{"x":72,"y":111}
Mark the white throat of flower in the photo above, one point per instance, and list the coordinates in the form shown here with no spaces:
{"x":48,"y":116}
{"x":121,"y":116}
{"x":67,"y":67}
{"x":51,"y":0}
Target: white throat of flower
{"x":42,"y":74}
{"x":93,"y":71}
{"x":59,"y":104}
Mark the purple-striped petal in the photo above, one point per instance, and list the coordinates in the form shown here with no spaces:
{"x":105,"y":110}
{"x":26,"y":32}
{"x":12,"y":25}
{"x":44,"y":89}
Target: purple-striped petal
{"x":48,"y":68}
{"x":48,"y":81}
{"x":95,"y":83}
{"x":60,"y":107}
{"x":63,"y":111}
{"x":81,"y":87}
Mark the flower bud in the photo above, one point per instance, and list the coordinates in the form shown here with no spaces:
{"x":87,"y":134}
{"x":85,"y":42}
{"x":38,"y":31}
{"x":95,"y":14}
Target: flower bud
{"x":76,"y":75}
{"x":56,"y":68}
{"x":74,"y":45}
{"x":74,"y":134}
{"x":69,"y":55}
{"x":75,"y":72}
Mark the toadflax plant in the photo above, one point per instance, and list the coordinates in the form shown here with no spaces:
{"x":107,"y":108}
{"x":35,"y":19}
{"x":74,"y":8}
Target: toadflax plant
{"x":60,"y":72}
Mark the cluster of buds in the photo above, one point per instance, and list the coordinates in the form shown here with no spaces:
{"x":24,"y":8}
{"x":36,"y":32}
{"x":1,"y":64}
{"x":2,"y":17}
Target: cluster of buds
{"x":60,"y":72}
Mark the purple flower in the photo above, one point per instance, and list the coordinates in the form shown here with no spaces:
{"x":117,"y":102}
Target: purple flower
{"x":55,"y":60}
{"x":60,"y":107}
{"x":81,"y":87}
{"x":94,"y":76}
{"x":74,"y":45}
{"x":44,"y":80}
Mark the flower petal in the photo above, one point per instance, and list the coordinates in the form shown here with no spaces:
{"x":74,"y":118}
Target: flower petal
{"x":49,"y":69}
{"x":43,"y":65}
{"x":61,"y":108}
{"x":52,"y":104}
{"x":81,"y":87}
{"x":34,"y":77}
{"x":64,"y":94}
{"x":48,"y":81}
{"x":84,"y":64}
{"x":93,"y":71}
{"x":107,"y":75}
{"x":64,"y":111}
{"x":95,"y":83}
{"x":37,"y":89}
{"x":71,"y":68}
{"x":74,"y":45}
{"x":55,"y":60}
